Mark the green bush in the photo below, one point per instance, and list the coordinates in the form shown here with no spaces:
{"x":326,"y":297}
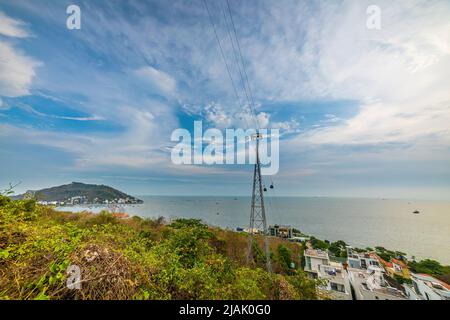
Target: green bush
{"x":130,"y":259}
{"x":284,"y":257}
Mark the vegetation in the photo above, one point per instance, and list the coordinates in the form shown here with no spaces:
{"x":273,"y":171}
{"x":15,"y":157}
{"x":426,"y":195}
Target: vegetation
{"x":92,"y":192}
{"x":337,"y":249}
{"x":387,"y":255}
{"x":431,"y":267}
{"x":137,"y":258}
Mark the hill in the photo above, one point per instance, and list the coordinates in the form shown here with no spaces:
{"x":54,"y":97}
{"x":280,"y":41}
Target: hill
{"x":79,"y":193}
{"x":44,"y":252}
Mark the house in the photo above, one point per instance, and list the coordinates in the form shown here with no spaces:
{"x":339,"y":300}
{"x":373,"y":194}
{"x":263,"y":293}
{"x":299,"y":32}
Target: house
{"x":319,"y":266}
{"x":426,"y":287}
{"x":364,"y":260}
{"x":395,"y":267}
{"x":281,"y":231}
{"x":400,"y":268}
{"x":366,"y":276}
{"x":369,"y":284}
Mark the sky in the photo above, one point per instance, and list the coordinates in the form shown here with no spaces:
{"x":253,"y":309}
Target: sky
{"x":362,"y":112}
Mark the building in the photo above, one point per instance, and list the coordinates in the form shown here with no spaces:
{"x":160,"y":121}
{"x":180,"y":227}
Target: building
{"x":319,"y":266}
{"x":369,"y":284}
{"x":364,"y":260}
{"x":281,"y":231}
{"x":426,"y":287}
{"x":299,"y":239}
{"x":366,"y":277}
{"x":395,"y":268}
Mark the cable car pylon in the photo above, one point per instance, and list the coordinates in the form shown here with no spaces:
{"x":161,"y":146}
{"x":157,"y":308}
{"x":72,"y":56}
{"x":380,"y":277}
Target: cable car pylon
{"x":257,"y":212}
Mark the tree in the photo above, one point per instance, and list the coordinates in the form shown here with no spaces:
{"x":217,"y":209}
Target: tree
{"x":429,"y":266}
{"x":284,"y":257}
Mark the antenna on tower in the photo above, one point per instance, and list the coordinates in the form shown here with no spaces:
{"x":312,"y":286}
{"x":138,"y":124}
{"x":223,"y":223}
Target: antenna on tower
{"x":257,"y":212}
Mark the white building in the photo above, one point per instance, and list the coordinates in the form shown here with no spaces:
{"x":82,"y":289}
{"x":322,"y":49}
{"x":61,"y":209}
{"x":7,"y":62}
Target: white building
{"x":369,"y":284}
{"x":366,"y":277}
{"x":357,"y":260}
{"x":336,"y":282}
{"x":426,"y":287}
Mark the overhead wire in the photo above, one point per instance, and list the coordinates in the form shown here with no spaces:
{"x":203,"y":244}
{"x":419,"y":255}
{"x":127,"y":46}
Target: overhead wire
{"x":248,"y":90}
{"x":221,"y":51}
{"x":252,"y":101}
{"x":240,"y":64}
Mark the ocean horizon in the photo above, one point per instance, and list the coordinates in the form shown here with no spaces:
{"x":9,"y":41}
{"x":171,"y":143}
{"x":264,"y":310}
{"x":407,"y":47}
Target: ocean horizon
{"x":360,"y":222}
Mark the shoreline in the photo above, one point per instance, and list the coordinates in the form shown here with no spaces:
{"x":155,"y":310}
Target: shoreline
{"x":99,"y":208}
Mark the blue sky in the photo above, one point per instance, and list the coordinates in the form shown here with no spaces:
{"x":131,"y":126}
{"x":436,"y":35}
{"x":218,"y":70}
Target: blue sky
{"x":362,"y":112}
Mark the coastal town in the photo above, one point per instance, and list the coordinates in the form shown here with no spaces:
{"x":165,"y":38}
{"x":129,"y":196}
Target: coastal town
{"x":360,"y":274}
{"x":83,"y":200}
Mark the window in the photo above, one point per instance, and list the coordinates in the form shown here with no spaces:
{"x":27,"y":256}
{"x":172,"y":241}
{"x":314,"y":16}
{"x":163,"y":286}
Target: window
{"x":334,"y":286}
{"x":337,"y":287}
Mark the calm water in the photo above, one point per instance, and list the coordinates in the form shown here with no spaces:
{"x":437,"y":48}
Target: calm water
{"x":359,"y":222}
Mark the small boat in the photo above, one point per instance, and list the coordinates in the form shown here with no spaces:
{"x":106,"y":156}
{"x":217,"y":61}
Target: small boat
{"x":416,"y":212}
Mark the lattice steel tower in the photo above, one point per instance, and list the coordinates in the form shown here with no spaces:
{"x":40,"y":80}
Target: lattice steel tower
{"x":258,"y":213}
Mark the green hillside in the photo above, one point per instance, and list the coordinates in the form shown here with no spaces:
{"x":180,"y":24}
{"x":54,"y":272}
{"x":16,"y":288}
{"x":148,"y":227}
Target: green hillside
{"x":137,"y":258}
{"x":89,"y":193}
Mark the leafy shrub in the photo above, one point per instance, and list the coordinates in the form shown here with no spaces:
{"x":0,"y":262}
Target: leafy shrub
{"x":132,"y":258}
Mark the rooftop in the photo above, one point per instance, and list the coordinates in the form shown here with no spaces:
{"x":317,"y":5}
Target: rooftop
{"x":432,"y":281}
{"x":316,"y":253}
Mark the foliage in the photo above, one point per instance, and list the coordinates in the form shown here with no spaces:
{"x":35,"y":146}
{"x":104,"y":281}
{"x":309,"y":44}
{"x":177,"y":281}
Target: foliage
{"x":401,"y":280}
{"x":338,"y":249}
{"x":90,"y":191}
{"x":387,"y":255}
{"x":429,"y":266}
{"x":133,"y":258}
{"x":319,"y":244}
{"x":284,"y":257}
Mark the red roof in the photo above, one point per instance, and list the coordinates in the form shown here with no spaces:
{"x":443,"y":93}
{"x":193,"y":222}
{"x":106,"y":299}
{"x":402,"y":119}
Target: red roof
{"x":383,"y":262}
{"x":399,"y":262}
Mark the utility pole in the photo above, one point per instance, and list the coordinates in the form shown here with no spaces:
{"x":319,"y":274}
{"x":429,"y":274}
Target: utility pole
{"x":258,"y":213}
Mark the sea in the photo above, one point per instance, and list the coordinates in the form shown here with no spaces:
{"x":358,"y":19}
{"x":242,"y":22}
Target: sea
{"x":359,"y":222}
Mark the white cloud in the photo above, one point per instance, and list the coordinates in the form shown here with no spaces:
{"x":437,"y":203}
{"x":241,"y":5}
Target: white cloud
{"x":16,"y":71}
{"x":12,"y":28}
{"x":215,"y":114}
{"x":157,"y":79}
{"x":399,"y":74}
{"x":136,"y":147}
{"x":223,"y":118}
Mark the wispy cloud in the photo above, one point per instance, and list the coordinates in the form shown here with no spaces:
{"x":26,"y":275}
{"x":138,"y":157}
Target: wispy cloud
{"x":11,"y":27}
{"x":147,"y":68}
{"x":16,"y":69}
{"x":156,"y":79}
